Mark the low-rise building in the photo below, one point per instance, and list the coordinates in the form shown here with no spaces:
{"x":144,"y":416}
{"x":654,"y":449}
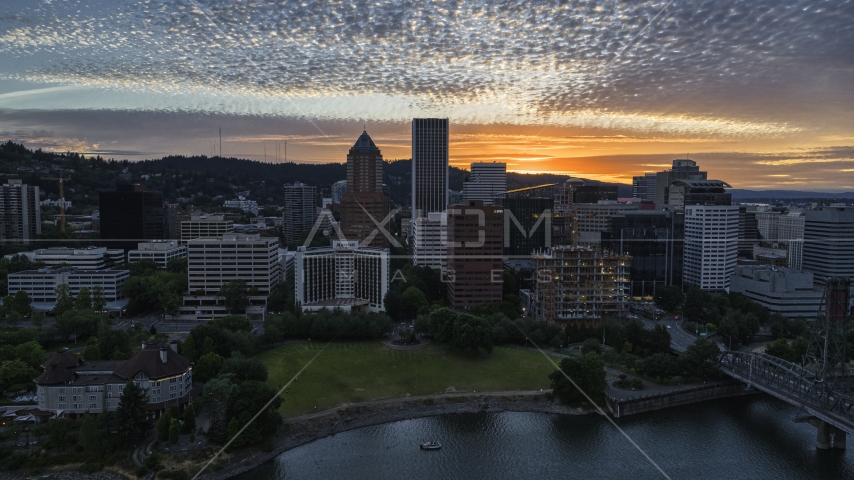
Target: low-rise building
{"x":88,"y":258}
{"x":41,"y":284}
{"x":159,"y":252}
{"x":70,"y":386}
{"x":242,"y":204}
{"x":205,"y":226}
{"x":344,"y":276}
{"x":782,"y":290}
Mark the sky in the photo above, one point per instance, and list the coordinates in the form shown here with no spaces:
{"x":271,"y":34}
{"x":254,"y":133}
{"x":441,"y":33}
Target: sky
{"x":760,"y":93}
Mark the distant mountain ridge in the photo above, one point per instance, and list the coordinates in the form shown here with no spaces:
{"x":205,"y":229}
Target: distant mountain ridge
{"x":787,"y":194}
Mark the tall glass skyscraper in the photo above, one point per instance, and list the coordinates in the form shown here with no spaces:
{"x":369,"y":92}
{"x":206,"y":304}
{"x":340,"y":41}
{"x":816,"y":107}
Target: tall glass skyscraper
{"x":429,"y":166}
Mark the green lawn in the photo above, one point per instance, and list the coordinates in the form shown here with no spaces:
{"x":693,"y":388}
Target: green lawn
{"x":359,"y":372}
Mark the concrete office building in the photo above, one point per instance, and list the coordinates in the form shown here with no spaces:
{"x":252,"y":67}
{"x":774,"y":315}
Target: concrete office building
{"x":768,"y":223}
{"x":643,"y":186}
{"x":698,"y":192}
{"x":212,"y":262}
{"x":159,"y":252}
{"x":205,"y":226}
{"x":580,"y":283}
{"x":339,"y":188}
{"x":364,"y":207}
{"x":131,"y":214}
{"x":71,"y":387}
{"x":430,"y":241}
{"x":475,"y":254}
{"x":829,"y":243}
{"x":684,"y":169}
{"x":486,"y":182}
{"x":790,"y":232}
{"x":429,"y":166}
{"x":242,"y":204}
{"x":20,"y":213}
{"x":300,"y":212}
{"x":41,"y":284}
{"x":344,"y":276}
{"x":711,"y":246}
{"x":594,"y":194}
{"x":782,"y":290}
{"x":595,"y":218}
{"x":89,"y":258}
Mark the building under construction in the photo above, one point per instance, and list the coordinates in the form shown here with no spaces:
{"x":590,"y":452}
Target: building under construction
{"x":580,"y":283}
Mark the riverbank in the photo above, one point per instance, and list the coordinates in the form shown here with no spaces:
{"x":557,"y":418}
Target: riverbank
{"x":308,"y":428}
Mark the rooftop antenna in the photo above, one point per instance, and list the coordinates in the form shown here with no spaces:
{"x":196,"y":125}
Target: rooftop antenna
{"x":286,"y":152}
{"x":265,"y":153}
{"x":220,"y":142}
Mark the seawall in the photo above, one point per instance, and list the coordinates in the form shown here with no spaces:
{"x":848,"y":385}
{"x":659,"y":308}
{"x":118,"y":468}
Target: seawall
{"x":657,"y":401}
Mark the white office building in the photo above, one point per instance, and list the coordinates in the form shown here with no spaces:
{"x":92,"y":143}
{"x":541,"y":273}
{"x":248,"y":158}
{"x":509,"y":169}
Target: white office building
{"x":429,"y":166}
{"x":343,"y":276}
{"x":212,"y":262}
{"x":339,"y":189}
{"x":829,"y":243}
{"x":89,"y":258}
{"x":158,"y":251}
{"x":782,"y":290}
{"x":205,"y":226}
{"x":487,"y":181}
{"x":791,"y":233}
{"x":430,"y":241}
{"x":242,"y":204}
{"x":41,"y":284}
{"x":768,"y":224}
{"x":711,"y":246}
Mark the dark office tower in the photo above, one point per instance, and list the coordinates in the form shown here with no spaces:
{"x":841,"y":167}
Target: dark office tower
{"x":131,"y":215}
{"x":528,"y":213}
{"x":654,"y":240}
{"x":475,"y":264}
{"x":698,"y":192}
{"x":594,"y":193}
{"x":300,"y":212}
{"x":643,"y":187}
{"x":748,"y":231}
{"x":829,"y":243}
{"x":682,"y":170}
{"x":429,"y":166}
{"x":364,"y":206}
{"x":173,"y":226}
{"x":20,"y":213}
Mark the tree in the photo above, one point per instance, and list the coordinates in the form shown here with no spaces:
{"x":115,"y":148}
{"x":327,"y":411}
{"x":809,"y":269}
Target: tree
{"x":588,"y":373}
{"x":442,"y":324}
{"x":15,"y":372}
{"x":91,"y":352}
{"x":412,"y":300}
{"x":64,"y":300}
{"x":799,"y":350}
{"x":30,"y":353}
{"x":591,"y":345}
{"x":700,"y":359}
{"x":177,"y":265}
{"x":189,"y":419}
{"x":99,"y":301}
{"x":84,"y":299}
{"x":780,"y":348}
{"x":251,"y":397}
{"x":174,"y":430}
{"x":19,"y":303}
{"x":669,"y":298}
{"x":658,"y":339}
{"x":208,"y":367}
{"x":38,"y":320}
{"x":235,"y":296}
{"x":472,"y":333}
{"x":245,"y":369}
{"x":90,"y":437}
{"x":131,"y":414}
{"x":660,"y":365}
{"x":162,"y":425}
{"x":393,"y":304}
{"x":58,"y":434}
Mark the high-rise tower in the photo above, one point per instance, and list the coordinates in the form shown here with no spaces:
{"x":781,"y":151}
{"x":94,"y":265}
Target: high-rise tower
{"x":364,"y":206}
{"x":429,"y":166}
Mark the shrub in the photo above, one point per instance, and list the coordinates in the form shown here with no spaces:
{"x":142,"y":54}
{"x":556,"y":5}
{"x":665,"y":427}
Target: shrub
{"x":428,"y":401}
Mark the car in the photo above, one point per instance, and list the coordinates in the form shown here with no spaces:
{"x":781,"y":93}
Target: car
{"x":669,"y":326}
{"x":675,"y":317}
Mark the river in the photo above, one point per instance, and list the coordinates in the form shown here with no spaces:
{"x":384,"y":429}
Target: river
{"x":748,"y":437}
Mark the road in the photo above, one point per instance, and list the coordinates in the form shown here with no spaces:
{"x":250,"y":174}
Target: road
{"x":680,"y":340}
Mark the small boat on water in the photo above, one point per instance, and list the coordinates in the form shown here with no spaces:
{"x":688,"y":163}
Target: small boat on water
{"x":431,"y":445}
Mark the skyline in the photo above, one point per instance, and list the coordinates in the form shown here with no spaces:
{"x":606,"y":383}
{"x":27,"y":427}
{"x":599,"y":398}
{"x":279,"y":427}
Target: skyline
{"x":757,"y":94}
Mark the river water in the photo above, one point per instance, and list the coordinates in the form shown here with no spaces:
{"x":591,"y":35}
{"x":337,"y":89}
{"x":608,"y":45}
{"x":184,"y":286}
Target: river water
{"x":747,"y":437}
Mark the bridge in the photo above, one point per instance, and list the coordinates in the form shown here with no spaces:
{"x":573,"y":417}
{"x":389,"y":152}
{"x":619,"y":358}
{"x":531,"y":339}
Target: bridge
{"x":823,"y":387}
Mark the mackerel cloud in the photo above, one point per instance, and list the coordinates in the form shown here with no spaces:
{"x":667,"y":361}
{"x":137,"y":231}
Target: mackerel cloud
{"x":720,"y":67}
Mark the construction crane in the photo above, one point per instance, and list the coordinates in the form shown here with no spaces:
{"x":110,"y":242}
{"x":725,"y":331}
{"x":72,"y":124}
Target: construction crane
{"x":61,"y":181}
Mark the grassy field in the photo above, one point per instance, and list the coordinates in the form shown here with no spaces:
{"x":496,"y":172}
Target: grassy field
{"x":358,"y":372}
